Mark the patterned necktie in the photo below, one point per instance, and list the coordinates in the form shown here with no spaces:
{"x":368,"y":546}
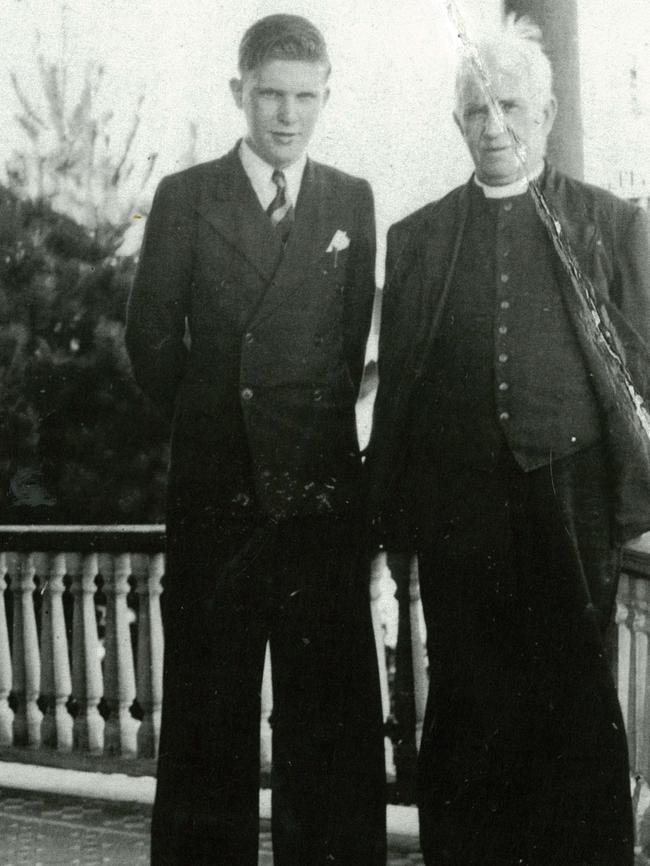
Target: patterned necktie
{"x":280,"y":210}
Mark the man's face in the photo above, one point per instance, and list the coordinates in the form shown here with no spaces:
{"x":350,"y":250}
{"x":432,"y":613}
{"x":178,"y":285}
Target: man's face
{"x":282,"y":101}
{"x":498,"y":145}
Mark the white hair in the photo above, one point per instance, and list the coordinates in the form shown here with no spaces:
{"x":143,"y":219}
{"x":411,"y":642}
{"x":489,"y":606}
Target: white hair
{"x":516,"y":48}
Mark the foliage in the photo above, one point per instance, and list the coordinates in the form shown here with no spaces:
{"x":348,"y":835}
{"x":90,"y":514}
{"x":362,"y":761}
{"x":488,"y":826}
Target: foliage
{"x":71,"y":159}
{"x":78,"y":442}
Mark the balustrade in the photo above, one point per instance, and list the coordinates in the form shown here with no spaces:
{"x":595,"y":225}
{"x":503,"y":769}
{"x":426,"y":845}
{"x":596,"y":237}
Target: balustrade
{"x":148,"y":572}
{"x":87,"y":681}
{"x":120,"y":732}
{"x":25,"y":657}
{"x":6,"y":713}
{"x":81,"y":698}
{"x":267,"y":707}
{"x":56,"y":687}
{"x":378,"y":571}
{"x":96,"y":689}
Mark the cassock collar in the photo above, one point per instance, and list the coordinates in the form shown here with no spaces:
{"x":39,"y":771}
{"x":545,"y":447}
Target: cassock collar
{"x":517,"y":187}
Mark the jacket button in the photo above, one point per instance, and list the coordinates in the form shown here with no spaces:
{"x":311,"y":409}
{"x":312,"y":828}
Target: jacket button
{"x":318,"y":394}
{"x":249,"y":338}
{"x":247,"y":394}
{"x":504,"y":416}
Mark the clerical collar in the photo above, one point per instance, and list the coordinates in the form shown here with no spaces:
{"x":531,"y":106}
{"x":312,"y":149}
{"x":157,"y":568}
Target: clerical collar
{"x":517,"y":187}
{"x":260,"y":175}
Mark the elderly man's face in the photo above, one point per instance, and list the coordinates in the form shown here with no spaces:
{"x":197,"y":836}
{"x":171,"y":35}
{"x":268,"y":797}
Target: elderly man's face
{"x":505,"y":148}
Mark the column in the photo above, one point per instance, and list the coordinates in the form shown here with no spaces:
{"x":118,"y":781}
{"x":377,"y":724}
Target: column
{"x":559,"y":22}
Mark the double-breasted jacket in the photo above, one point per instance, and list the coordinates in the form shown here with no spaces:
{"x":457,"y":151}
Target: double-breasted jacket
{"x":256,"y":349}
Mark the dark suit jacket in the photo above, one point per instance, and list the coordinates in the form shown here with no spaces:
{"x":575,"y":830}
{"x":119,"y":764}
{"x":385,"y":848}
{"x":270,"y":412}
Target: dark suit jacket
{"x":609,"y":239}
{"x":256,"y":352}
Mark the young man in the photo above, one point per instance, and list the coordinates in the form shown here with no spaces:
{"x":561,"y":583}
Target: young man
{"x":247,"y":323}
{"x":504,"y":454}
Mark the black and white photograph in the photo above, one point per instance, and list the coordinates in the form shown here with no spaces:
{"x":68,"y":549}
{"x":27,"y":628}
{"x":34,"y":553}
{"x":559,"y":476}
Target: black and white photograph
{"x":325,"y":433}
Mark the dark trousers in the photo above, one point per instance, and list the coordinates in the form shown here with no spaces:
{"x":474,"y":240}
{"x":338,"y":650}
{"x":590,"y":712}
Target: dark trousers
{"x":233,"y":586}
{"x":524,"y":758}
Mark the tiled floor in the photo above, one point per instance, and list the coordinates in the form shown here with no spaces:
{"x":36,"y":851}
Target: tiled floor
{"x":44,"y":830}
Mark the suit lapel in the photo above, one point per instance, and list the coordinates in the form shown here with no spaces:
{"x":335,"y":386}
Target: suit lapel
{"x":232,"y":208}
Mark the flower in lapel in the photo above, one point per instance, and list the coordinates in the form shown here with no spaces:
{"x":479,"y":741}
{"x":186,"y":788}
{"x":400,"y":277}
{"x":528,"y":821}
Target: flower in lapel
{"x":340,"y":241}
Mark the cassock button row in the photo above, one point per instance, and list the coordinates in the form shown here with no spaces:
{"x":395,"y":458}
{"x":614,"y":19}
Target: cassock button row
{"x":503,"y":358}
{"x":503,"y":329}
{"x":505,"y":278}
{"x":505,"y":305}
{"x":247,"y":394}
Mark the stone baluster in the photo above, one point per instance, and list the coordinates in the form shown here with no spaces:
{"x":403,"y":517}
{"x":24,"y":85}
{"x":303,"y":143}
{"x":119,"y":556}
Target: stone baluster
{"x":87,"y":685}
{"x":377,"y":571}
{"x":26,"y":658}
{"x":418,"y":643}
{"x":119,"y":671}
{"x":6,"y":713}
{"x":624,"y":655}
{"x":405,"y":749}
{"x":267,"y":707}
{"x":641,"y":627}
{"x":56,"y":728}
{"x":148,"y":572}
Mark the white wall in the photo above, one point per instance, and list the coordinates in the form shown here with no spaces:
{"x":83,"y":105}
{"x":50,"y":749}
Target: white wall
{"x":614,"y":38}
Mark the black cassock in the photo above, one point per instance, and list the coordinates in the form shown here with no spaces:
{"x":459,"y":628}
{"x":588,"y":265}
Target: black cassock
{"x":498,"y":463}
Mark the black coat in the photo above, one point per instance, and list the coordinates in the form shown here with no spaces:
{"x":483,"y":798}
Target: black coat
{"x":609,"y":239}
{"x":257,"y":354}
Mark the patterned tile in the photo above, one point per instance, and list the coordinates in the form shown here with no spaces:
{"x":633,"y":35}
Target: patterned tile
{"x":47,"y":830}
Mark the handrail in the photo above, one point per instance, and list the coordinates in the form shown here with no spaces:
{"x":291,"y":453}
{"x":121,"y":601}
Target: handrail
{"x":148,"y":537}
{"x":137,"y":538}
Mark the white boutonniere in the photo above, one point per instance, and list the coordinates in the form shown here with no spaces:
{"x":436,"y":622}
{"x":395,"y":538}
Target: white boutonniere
{"x":339,"y":242}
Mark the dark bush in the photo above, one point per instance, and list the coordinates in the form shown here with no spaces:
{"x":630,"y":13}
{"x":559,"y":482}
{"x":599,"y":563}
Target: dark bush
{"x":78,"y":441}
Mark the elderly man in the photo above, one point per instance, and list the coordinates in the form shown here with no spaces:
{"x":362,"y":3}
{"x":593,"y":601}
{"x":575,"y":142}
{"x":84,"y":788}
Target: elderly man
{"x":504,"y":455}
{"x":264,"y":259}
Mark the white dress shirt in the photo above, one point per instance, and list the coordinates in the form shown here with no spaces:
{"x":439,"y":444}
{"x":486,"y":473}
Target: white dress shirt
{"x":260,"y":173}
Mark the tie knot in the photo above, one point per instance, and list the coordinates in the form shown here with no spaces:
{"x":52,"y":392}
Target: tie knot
{"x":279,"y":179}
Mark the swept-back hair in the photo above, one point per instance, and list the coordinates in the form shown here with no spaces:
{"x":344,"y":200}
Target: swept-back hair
{"x":282,"y":37}
{"x":515,"y":47}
